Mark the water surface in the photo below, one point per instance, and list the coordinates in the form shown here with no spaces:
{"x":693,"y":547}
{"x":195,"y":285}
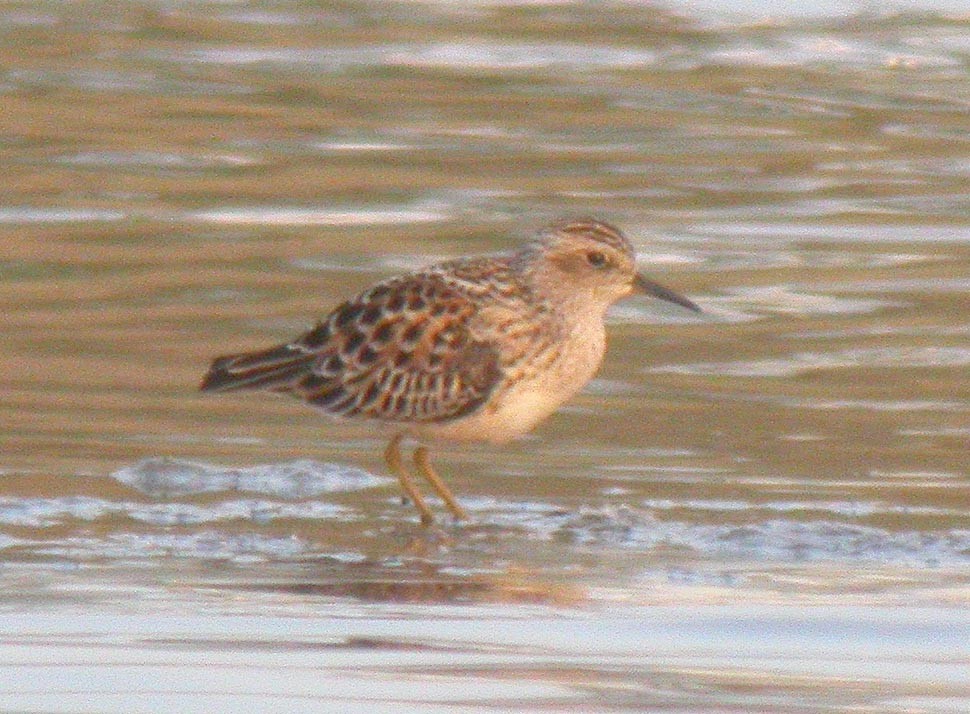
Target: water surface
{"x":764,"y":507}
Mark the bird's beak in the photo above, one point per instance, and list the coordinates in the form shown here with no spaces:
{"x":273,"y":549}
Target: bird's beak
{"x":648,"y":287}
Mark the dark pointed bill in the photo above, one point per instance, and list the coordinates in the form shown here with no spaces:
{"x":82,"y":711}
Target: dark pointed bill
{"x":649,"y":287}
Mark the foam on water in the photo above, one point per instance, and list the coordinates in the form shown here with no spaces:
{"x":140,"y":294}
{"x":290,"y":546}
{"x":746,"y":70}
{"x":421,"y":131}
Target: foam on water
{"x":201,"y":502}
{"x":202,"y":544}
{"x":172,"y":478}
{"x":761,"y":537}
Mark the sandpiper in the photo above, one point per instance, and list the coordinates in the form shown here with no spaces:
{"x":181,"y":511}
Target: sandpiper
{"x":481,"y":348}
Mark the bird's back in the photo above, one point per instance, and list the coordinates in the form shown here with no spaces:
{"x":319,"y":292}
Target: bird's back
{"x":415,"y":348}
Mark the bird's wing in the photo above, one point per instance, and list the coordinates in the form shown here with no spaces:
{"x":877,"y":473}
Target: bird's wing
{"x":403,"y":350}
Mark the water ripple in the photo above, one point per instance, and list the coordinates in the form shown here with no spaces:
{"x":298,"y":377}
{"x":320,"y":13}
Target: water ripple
{"x":170,"y":478}
{"x":771,"y":539}
{"x":802,"y":362}
{"x":291,"y":216}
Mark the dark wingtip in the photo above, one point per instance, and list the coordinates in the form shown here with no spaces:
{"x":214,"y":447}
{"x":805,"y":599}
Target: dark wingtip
{"x":274,"y":369}
{"x":218,"y":375}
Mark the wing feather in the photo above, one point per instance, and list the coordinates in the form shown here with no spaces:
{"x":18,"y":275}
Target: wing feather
{"x":402,"y":351}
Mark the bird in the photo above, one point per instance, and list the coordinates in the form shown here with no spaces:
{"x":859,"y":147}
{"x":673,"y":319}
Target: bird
{"x":474,"y":349}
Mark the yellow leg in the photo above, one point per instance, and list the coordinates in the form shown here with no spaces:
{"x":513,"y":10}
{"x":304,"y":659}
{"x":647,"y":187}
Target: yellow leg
{"x":392,"y":455}
{"x":423,"y":463}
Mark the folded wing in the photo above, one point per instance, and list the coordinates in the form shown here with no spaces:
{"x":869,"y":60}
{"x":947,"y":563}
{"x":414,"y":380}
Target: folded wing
{"x":402,"y":351}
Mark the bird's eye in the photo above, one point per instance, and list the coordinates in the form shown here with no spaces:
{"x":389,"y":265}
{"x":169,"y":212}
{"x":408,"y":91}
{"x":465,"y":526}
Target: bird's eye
{"x":596,"y":259}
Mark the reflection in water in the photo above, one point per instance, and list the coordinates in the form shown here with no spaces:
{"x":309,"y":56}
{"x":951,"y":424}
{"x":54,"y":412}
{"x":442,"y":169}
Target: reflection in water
{"x":185,"y":179}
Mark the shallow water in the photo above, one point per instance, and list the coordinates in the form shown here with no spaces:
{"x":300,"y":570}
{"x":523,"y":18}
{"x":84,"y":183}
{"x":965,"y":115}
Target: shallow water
{"x":764,"y":507}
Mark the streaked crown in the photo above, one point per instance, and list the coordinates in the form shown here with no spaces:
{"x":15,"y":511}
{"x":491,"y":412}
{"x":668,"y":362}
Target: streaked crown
{"x":591,"y":229}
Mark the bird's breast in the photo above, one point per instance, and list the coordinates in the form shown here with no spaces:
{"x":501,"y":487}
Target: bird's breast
{"x":533,"y":387}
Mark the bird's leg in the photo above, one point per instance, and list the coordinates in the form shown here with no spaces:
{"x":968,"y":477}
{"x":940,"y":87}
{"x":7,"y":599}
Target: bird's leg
{"x":423,"y":464}
{"x":392,"y":455}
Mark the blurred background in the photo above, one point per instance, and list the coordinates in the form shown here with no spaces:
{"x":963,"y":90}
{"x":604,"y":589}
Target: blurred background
{"x":777,"y":490}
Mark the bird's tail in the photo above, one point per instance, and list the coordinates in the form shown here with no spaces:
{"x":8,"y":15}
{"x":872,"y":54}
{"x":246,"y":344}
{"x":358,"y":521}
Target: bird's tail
{"x":276,"y":368}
